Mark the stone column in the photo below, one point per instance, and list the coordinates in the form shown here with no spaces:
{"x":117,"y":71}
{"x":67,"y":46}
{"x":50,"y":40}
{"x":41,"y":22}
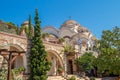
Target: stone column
{"x":25,"y":63}
{"x":54,"y":65}
{"x":65,"y":65}
{"x":80,"y":47}
{"x":88,"y":45}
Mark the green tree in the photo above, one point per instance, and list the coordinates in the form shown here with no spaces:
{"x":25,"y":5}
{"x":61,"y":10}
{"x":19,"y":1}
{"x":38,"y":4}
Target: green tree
{"x":29,"y":35}
{"x":69,"y":49}
{"x":30,"y":31}
{"x":11,"y":26}
{"x":17,"y":30}
{"x":86,"y":62}
{"x":61,"y":40}
{"x":38,"y":63}
{"x":25,"y":28}
{"x":109,"y":52}
{"x":45,"y":35}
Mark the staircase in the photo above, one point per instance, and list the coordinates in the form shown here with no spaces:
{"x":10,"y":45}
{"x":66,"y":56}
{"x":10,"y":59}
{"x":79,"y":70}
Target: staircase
{"x":55,"y":78}
{"x":62,"y":78}
{"x":77,"y":77}
{"x":69,"y":76}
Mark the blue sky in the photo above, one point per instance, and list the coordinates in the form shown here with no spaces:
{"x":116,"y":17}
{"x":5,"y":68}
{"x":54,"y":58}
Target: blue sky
{"x":96,"y":15}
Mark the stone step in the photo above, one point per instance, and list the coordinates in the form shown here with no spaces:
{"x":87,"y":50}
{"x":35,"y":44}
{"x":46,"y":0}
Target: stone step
{"x":62,"y":78}
{"x":55,"y":78}
{"x":77,"y":77}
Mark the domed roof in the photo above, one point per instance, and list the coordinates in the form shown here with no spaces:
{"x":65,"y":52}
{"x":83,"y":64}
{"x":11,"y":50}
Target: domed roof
{"x":70,"y":23}
{"x":26,"y":22}
{"x":83,"y":29}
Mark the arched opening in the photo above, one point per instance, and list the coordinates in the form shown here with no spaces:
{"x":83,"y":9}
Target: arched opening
{"x":9,"y":58}
{"x":18,"y":62}
{"x":56,"y":62}
{"x":1,"y":62}
{"x":70,"y":67}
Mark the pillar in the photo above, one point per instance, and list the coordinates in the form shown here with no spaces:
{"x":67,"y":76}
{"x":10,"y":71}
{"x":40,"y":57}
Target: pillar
{"x":55,"y":65}
{"x":65,"y":65}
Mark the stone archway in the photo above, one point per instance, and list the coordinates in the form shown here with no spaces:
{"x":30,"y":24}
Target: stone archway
{"x":55,"y":60}
{"x":17,"y":62}
{"x":20,"y":61}
{"x":15,"y":47}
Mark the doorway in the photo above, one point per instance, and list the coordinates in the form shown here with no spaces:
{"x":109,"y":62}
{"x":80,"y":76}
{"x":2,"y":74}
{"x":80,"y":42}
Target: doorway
{"x":70,"y":67}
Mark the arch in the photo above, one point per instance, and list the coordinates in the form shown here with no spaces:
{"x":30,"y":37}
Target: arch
{"x":80,"y":35}
{"x":51,"y":27}
{"x":53,"y":35}
{"x":51,"y":30}
{"x":57,"y":55}
{"x":56,"y":62}
{"x":70,"y":22}
{"x":18,"y":47}
{"x":20,"y":60}
{"x":67,"y":37}
{"x":3,"y":42}
{"x":66,"y":32}
{"x":83,"y":38}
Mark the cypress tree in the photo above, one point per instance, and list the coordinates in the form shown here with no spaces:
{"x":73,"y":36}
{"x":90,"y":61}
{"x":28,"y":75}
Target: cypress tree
{"x":30,"y":28}
{"x":29,"y":39}
{"x":38,"y":63}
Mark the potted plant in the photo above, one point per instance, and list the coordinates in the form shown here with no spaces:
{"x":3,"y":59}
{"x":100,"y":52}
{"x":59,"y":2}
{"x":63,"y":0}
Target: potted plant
{"x":60,"y":70}
{"x":92,"y":78}
{"x":69,"y":50}
{"x":61,"y":40}
{"x":21,"y":70}
{"x":72,"y":78}
{"x":45,"y":36}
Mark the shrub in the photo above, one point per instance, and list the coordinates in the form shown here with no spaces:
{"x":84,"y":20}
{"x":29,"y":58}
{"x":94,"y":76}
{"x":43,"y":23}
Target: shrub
{"x":60,"y":69}
{"x":92,"y":78}
{"x":72,"y":78}
{"x":61,"y":40}
{"x":3,"y":75}
{"x":21,"y":69}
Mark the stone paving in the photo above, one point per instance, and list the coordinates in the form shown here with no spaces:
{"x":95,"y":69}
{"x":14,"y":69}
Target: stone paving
{"x":79,"y":78}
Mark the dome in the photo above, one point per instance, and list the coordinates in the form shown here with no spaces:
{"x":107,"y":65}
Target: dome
{"x":83,"y":29}
{"x":70,"y":23}
{"x":26,"y":22}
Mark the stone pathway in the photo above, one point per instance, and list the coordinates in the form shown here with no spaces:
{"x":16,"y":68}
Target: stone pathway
{"x":77,"y":78}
